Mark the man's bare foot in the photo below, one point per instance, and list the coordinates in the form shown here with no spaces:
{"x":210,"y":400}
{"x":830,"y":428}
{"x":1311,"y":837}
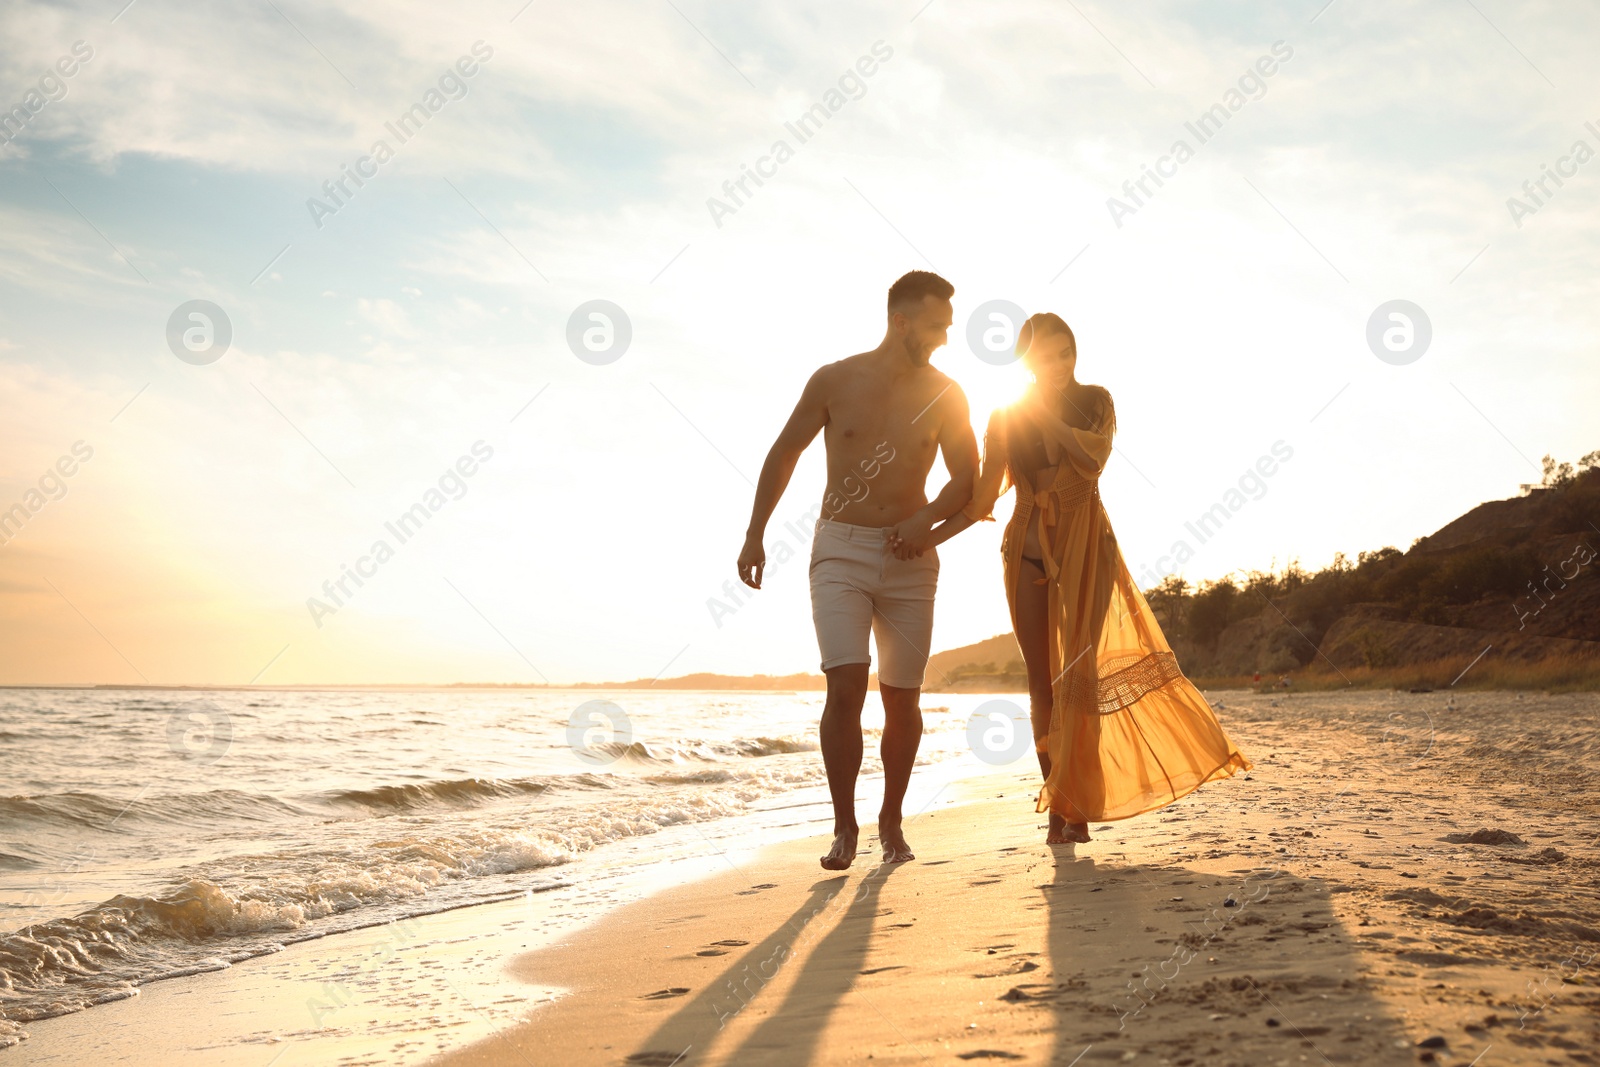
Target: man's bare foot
{"x":843,"y":852}
{"x":895,"y":849}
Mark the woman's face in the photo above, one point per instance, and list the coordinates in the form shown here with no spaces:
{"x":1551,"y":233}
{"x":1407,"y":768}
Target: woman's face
{"x":1051,"y":357}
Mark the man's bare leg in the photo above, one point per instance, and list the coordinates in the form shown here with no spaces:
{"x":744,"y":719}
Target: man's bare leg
{"x":841,"y":756}
{"x":902,"y":733}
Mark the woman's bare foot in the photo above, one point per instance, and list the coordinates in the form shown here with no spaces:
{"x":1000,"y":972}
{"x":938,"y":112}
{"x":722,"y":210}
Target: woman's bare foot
{"x":1062,"y":832}
{"x":843,"y":852}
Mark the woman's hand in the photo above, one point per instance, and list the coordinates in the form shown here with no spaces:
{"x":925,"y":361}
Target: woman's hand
{"x":1058,"y":436}
{"x":1052,"y":430}
{"x":909,"y":539}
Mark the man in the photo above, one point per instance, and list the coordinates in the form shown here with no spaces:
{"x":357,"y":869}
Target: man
{"x":885,"y":414}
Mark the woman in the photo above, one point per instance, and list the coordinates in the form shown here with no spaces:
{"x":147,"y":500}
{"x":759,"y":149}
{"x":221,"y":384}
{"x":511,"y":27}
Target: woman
{"x":1119,"y":730}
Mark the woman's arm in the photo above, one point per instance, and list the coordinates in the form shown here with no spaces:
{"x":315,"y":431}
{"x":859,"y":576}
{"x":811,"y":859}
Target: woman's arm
{"x":1087,"y":450}
{"x":950,"y":527}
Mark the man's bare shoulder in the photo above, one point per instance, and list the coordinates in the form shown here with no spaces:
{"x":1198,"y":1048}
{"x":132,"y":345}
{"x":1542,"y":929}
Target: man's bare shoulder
{"x":950,"y":394}
{"x":851,"y":365}
{"x":831,"y":375}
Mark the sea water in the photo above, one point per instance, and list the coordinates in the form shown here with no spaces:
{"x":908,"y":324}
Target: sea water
{"x":148,"y":833}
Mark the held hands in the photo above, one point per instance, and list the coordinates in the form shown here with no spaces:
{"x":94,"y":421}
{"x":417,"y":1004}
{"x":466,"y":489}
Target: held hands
{"x":912,"y":537}
{"x":752,"y":561}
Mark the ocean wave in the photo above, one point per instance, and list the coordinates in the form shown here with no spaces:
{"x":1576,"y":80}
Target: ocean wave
{"x":772,"y":746}
{"x":251,"y":905}
{"x":67,"y":964}
{"x":701,"y":751}
{"x":638,"y":751}
{"x":757,"y":779}
{"x":97,"y":811}
{"x":460,"y":792}
{"x":709,"y":776}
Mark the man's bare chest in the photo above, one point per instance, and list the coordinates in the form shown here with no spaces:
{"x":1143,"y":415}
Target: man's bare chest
{"x":907,"y":417}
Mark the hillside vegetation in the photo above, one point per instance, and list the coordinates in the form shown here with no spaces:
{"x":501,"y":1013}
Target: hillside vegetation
{"x":1506,"y":593}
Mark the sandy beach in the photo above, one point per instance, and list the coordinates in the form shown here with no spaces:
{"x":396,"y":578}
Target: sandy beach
{"x":1402,"y":878}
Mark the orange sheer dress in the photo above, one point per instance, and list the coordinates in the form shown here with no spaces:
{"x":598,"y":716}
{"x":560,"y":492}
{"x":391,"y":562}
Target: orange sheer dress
{"x":1128,"y":732}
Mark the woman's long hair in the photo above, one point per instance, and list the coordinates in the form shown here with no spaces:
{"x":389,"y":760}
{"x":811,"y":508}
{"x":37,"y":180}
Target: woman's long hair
{"x":1088,"y":406}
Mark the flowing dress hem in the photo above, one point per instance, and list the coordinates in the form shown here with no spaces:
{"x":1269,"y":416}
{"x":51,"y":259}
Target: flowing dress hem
{"x":1235,"y":763}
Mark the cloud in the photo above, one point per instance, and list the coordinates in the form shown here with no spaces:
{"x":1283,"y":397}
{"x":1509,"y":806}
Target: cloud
{"x":389,"y":317}
{"x":579,"y":165}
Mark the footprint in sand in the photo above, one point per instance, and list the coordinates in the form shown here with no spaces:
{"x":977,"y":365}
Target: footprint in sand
{"x":1543,"y":857}
{"x":1017,"y":994}
{"x":987,"y":1054}
{"x":1021,"y":968}
{"x":1485,"y":837}
{"x":720,"y":948}
{"x":753,"y":890}
{"x":655,"y":1059}
{"x":666,"y":994}
{"x":1029,"y":992}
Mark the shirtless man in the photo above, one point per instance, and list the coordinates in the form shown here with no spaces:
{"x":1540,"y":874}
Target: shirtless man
{"x":884,"y":415}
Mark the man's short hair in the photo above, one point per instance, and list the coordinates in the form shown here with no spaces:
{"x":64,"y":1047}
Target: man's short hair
{"x":909,"y":289}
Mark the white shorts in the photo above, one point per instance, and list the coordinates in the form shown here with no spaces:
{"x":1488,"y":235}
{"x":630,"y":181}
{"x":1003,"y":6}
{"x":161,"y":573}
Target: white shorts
{"x":857,"y":587}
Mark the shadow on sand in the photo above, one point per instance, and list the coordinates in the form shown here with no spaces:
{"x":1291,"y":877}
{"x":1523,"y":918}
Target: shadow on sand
{"x":992,"y":952}
{"x":789,"y":1034}
{"x":1186,"y":967}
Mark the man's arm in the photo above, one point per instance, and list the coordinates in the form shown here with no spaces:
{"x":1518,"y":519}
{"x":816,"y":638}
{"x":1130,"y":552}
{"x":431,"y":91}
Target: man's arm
{"x":910,"y":537}
{"x":986,"y":490}
{"x":810,"y":415}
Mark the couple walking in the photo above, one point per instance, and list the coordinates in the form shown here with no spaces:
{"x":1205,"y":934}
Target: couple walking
{"x":1118,"y":729}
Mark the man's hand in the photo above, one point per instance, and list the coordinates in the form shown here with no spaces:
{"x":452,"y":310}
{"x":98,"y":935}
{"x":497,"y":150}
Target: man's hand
{"x":752,"y":561}
{"x":911,"y":538}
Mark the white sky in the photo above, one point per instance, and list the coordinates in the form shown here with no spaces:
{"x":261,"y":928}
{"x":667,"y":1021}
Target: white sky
{"x":1224,"y":315}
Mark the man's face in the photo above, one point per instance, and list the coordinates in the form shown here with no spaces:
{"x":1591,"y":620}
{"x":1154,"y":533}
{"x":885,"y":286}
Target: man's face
{"x":926,"y":327}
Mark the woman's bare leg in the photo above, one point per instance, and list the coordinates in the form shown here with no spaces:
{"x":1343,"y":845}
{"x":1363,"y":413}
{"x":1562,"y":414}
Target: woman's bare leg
{"x":1033,"y":637}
